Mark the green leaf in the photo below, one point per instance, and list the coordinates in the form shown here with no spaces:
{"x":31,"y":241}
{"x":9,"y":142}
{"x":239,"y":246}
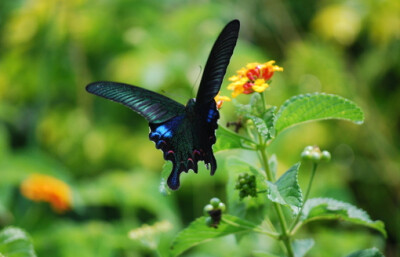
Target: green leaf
{"x":269,"y":118}
{"x":373,"y":252}
{"x":302,"y":246}
{"x":249,"y":208}
{"x":227,"y":139}
{"x":317,"y":106}
{"x":242,"y":109}
{"x":15,"y":242}
{"x":260,"y":125}
{"x":286,"y":190}
{"x":198,"y":232}
{"x":327,"y":208}
{"x":165,"y":172}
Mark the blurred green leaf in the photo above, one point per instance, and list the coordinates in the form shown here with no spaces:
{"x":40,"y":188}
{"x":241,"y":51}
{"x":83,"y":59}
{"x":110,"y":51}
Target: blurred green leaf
{"x":302,"y":246}
{"x":327,"y":208}
{"x":14,"y":242}
{"x":373,"y":252}
{"x":263,"y":254}
{"x":317,"y":106}
{"x":198,"y":232}
{"x":253,"y":209}
{"x":286,"y":190}
{"x":227,"y":139}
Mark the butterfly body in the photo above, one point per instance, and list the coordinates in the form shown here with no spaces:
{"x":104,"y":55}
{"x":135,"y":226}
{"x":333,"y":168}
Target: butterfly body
{"x":186,"y":139}
{"x":185,"y":134}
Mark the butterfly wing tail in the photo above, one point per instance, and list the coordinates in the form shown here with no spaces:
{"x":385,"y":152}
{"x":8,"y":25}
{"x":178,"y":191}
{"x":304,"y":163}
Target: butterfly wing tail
{"x":173,"y":179}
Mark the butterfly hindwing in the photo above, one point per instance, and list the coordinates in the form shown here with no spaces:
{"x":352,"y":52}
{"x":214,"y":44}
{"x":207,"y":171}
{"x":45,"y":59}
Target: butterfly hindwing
{"x":152,"y":106}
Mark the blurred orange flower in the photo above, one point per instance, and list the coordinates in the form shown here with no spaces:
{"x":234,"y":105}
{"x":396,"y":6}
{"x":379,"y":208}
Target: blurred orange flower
{"x":39,"y":187}
{"x":220,"y":100}
{"x":253,"y":78}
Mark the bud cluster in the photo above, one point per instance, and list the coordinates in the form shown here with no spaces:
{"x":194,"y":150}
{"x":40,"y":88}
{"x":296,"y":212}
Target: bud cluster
{"x":314,"y":154}
{"x":246,"y":184}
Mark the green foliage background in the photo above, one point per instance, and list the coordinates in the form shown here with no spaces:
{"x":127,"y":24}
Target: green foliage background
{"x":49,"y":51}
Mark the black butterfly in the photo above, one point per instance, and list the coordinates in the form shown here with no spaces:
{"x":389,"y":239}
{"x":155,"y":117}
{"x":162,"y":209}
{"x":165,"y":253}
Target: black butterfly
{"x":184,"y":133}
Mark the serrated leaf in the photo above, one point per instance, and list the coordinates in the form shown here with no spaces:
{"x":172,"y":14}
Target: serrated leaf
{"x":14,"y":242}
{"x":327,"y":208}
{"x":302,"y":246}
{"x":241,"y":109}
{"x":286,"y":190}
{"x":317,"y":106}
{"x":227,"y":139}
{"x":198,"y":232}
{"x":372,"y":252}
{"x":269,"y":118}
{"x":260,"y":125}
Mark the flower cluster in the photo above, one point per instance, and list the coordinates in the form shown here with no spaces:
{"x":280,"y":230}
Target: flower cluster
{"x":147,"y":231}
{"x":219,"y":99}
{"x":246,"y":184}
{"x":39,"y":187}
{"x":253,"y":78}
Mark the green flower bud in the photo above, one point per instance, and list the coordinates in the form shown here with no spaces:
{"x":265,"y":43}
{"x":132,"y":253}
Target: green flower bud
{"x":306,"y":155}
{"x":215,"y":202}
{"x":315,"y":156}
{"x":325,"y":156}
{"x":309,"y":148}
{"x":222,"y":206}
{"x":209,"y":221}
{"x":207,"y":208}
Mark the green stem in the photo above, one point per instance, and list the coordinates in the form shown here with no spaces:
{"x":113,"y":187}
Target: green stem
{"x":284,"y":234}
{"x":263,"y":101}
{"x":293,"y":226}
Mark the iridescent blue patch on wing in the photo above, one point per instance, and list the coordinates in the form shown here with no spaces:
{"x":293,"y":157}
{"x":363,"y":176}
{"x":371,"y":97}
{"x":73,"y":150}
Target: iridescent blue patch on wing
{"x":211,"y":115}
{"x":166,"y":129}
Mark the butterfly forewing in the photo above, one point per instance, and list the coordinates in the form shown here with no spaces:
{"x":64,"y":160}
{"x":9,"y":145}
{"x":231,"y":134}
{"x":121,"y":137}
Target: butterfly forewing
{"x":153,"y":107}
{"x":217,"y":63}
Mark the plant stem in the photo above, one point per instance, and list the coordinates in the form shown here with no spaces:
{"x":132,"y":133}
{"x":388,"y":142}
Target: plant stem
{"x":263,"y":101}
{"x":285,"y":237}
{"x":314,"y":168}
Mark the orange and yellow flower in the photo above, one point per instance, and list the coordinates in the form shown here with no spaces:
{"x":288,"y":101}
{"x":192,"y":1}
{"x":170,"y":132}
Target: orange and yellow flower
{"x":219,"y":99}
{"x":39,"y":187}
{"x":253,"y":78}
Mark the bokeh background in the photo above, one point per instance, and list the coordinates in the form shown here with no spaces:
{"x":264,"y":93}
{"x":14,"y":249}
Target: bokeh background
{"x":49,"y":51}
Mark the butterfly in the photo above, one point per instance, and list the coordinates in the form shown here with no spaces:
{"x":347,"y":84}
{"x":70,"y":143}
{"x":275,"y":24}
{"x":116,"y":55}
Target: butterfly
{"x":185,"y":134}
